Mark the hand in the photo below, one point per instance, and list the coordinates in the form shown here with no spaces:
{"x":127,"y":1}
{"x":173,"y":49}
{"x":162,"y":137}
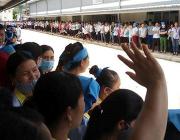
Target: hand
{"x":148,"y":72}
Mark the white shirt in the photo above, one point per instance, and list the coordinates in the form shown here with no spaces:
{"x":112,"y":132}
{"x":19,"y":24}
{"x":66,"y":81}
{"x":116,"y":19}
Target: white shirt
{"x":170,"y":32}
{"x":176,"y":32}
{"x":106,"y":28}
{"x":102,"y":29}
{"x":135,"y":31}
{"x":150,"y":30}
{"x":18,"y":31}
{"x":142,"y":32}
{"x":116,"y":29}
{"x":84,"y":31}
{"x":90,"y":28}
{"x":156,"y":32}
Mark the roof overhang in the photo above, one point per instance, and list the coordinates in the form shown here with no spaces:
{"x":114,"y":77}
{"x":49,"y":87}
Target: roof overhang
{"x":7,"y":4}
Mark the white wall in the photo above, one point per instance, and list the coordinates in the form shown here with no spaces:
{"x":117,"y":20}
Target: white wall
{"x":6,"y":15}
{"x":139,"y":17}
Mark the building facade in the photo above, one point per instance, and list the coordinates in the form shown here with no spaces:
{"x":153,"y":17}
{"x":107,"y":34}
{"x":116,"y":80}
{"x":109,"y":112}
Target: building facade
{"x":107,"y":10}
{"x":6,"y":15}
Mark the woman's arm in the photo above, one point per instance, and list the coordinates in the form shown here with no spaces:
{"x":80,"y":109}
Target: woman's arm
{"x":151,"y":123}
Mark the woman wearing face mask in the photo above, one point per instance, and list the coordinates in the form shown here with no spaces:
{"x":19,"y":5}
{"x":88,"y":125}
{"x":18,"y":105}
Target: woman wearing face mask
{"x":23,"y":72}
{"x":47,"y":62}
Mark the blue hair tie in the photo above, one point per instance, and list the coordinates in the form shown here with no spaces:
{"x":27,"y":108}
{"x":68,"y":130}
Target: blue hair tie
{"x":98,"y":73}
{"x":77,"y":58}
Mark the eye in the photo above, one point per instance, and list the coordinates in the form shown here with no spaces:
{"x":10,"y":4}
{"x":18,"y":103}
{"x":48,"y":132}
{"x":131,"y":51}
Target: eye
{"x":35,"y":69}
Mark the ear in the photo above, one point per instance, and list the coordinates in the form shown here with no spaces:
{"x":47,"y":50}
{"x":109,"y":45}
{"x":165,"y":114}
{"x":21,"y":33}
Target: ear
{"x":83,"y":62}
{"x":121,"y":125}
{"x":68,"y":114}
{"x":107,"y":90}
{"x":132,"y":124}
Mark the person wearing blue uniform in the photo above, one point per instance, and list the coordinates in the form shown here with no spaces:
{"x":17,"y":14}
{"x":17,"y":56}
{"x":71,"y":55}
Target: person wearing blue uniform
{"x":75,"y":60}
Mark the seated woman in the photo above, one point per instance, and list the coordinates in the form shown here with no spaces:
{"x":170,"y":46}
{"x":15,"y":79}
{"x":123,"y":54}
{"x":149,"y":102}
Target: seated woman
{"x":75,"y":60}
{"x":58,"y":97}
{"x":47,"y":62}
{"x":108,"y":80}
{"x":111,"y":118}
{"x":23,"y":72}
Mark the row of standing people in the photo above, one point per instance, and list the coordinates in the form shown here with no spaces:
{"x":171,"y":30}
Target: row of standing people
{"x":160,"y":37}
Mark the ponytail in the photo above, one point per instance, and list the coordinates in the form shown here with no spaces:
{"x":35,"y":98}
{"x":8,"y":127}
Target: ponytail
{"x":94,"y":131}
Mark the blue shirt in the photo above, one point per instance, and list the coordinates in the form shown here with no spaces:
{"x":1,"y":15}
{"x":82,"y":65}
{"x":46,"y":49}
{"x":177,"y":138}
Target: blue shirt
{"x":91,"y":90}
{"x":9,"y":49}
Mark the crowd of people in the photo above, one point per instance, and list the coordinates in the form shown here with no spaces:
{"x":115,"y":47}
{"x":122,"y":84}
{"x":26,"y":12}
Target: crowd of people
{"x":161,"y":37}
{"x":37,"y":103}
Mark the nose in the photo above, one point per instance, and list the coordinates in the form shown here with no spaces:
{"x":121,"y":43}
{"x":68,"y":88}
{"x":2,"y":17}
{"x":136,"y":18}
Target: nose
{"x":32,"y":76}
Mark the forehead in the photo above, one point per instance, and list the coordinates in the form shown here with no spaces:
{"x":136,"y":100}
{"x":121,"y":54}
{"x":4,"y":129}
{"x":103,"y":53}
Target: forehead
{"x":26,"y":66}
{"x":117,"y":83}
{"x":48,"y":52}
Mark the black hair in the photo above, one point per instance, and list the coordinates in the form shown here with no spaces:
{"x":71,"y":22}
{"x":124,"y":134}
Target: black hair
{"x":17,"y":46}
{"x":15,"y":60}
{"x":106,"y":77}
{"x":6,"y":99}
{"x":15,"y":126}
{"x":31,"y":47}
{"x":46,"y":48}
{"x":70,"y":51}
{"x":122,"y":104}
{"x":1,"y":27}
{"x":53,"y":93}
{"x":28,"y":113}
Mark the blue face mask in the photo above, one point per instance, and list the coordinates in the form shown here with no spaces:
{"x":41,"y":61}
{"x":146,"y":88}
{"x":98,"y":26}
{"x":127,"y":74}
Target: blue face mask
{"x":46,"y":65}
{"x":26,"y":88}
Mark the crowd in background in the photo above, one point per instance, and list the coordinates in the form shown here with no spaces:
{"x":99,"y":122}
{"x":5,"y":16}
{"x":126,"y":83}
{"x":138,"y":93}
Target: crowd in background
{"x":161,"y":37}
{"x":37,"y":103}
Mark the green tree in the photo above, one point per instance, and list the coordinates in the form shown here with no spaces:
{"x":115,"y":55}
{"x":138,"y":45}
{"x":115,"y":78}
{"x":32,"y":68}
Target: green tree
{"x":15,"y":13}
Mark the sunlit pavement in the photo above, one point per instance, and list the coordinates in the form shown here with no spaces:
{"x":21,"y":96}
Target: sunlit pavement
{"x":107,"y":57}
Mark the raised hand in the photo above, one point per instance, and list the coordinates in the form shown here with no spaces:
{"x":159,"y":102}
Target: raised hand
{"x":151,"y":123}
{"x":147,"y":69}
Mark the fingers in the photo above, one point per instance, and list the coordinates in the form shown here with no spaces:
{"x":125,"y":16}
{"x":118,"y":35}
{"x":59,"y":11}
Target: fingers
{"x":128,"y":52}
{"x":132,"y":76}
{"x":126,"y":61}
{"x":136,"y":51}
{"x":147,"y":52}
